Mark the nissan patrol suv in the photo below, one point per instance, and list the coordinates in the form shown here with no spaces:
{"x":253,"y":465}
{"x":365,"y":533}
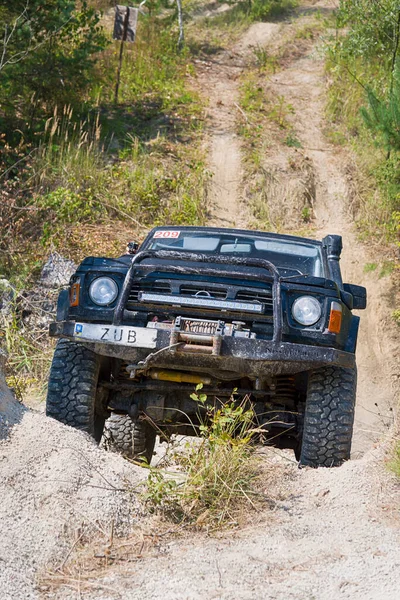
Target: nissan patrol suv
{"x":247,"y":314}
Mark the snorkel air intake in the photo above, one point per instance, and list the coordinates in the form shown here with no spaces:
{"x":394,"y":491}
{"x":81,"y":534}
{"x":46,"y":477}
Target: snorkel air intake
{"x":333,"y":244}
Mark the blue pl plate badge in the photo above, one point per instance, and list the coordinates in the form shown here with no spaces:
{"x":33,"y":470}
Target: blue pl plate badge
{"x":78,"y":329}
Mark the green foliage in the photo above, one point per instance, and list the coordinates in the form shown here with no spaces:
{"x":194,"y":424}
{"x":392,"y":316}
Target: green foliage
{"x":216,"y":477}
{"x":394,"y":464}
{"x":383,"y":115}
{"x":48,"y":58}
{"x":292,"y":140}
{"x":370,"y":267}
{"x":265,"y":60}
{"x":261,"y":10}
{"x":363,"y":105}
{"x":306,"y":214}
{"x":138,"y":164}
{"x":371,"y":27}
{"x":256,"y":102}
{"x":28,"y":350}
{"x":387,"y":268}
{"x":252,"y":95}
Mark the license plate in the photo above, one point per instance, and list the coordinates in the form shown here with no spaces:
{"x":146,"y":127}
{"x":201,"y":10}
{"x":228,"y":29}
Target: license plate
{"x":110,"y":334}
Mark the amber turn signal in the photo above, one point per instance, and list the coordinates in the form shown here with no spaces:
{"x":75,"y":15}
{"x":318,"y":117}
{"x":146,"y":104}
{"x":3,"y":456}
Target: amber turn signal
{"x":335,"y":319}
{"x":74,"y":294}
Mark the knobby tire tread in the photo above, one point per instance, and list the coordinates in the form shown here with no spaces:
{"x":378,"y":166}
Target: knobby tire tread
{"x":72,"y":386}
{"x":329,"y":417}
{"x":132,"y":440}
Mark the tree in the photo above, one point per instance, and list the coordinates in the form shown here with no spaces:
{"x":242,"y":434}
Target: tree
{"x":373,"y":27}
{"x":47,"y":53}
{"x":382,"y":116}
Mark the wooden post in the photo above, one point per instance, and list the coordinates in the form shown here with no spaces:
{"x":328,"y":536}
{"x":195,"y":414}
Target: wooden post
{"x":126,"y":21}
{"x":181,"y":39}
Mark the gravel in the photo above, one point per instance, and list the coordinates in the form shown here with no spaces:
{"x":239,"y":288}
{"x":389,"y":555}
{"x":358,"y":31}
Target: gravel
{"x":53,"y":479}
{"x":332,"y":535}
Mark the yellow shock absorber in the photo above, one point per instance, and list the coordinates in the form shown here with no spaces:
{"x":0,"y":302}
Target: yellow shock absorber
{"x":178,"y":376}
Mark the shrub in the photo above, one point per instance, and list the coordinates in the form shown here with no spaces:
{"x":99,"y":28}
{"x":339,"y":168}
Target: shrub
{"x":48,"y":58}
{"x":217,"y":475}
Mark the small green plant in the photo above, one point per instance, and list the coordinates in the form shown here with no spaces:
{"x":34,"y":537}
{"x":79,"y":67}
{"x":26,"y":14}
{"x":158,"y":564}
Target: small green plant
{"x":370,"y":267}
{"x":292,"y":141}
{"x":311,"y":30}
{"x":280,"y":112}
{"x":394,"y":464}
{"x":252,"y":95}
{"x":261,"y":10}
{"x":217,"y":473}
{"x":264,"y":60}
{"x":396,"y":316}
{"x":387,"y":268}
{"x":306,"y":214}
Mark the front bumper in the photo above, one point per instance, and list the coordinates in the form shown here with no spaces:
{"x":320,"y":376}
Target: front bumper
{"x":241,"y":356}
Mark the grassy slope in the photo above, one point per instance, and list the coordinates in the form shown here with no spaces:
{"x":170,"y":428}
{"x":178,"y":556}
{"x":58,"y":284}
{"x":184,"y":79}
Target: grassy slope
{"x":102,"y":178}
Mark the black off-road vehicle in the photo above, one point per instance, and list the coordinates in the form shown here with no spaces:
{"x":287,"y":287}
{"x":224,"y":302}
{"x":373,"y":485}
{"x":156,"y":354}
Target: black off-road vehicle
{"x":263,"y":314}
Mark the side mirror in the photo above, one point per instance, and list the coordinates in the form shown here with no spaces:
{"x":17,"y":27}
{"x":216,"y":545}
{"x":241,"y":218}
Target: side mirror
{"x":359,"y":294}
{"x":132,"y":247}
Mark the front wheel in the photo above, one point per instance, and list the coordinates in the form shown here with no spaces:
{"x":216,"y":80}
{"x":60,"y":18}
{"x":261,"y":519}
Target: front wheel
{"x":328,"y":417}
{"x":72,"y":389}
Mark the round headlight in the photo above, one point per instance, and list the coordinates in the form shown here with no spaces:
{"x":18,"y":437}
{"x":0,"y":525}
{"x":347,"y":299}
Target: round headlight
{"x":103,"y":291}
{"x":306,"y":310}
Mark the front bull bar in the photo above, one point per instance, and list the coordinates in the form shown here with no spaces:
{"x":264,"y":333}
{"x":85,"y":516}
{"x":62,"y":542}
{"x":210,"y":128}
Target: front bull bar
{"x":209,"y":271}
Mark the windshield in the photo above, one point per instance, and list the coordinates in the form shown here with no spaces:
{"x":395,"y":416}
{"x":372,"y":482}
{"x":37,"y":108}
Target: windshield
{"x":290,"y":257}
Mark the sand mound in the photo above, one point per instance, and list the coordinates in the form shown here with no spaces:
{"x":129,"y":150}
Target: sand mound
{"x":53,"y":479}
{"x":11,"y":411}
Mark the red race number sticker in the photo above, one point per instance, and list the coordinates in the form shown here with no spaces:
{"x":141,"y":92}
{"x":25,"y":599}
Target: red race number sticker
{"x":166,"y":234}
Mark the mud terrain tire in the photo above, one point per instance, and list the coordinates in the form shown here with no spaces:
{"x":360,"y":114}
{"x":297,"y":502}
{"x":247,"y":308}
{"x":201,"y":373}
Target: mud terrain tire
{"x":132,"y":440}
{"x":329,"y":417}
{"x":71,"y":396}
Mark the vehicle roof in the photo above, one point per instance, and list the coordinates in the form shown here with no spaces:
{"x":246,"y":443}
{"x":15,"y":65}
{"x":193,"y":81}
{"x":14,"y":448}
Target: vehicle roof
{"x":248,"y":232}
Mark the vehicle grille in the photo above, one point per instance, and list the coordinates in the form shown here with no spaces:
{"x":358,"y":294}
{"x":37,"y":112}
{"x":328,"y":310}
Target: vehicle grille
{"x":156,"y":287}
{"x":217,"y":292}
{"x":203,"y":290}
{"x":256,"y":296}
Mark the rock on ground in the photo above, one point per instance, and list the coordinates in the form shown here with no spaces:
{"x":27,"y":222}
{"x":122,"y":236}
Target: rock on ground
{"x":57,"y":271}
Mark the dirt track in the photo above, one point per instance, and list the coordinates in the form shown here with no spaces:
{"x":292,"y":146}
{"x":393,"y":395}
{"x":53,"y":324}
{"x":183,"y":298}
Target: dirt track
{"x":302,"y":85}
{"x":331,"y":533}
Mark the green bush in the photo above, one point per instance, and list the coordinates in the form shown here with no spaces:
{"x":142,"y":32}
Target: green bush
{"x":363,"y":102}
{"x":48,"y":60}
{"x":262,"y":10}
{"x":217,"y":475}
{"x":372,"y":27}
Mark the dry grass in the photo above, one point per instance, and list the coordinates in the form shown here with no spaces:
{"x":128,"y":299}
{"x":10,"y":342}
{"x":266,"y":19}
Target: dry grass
{"x":280,"y":180}
{"x":94,"y":552}
{"x":283,"y":195}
